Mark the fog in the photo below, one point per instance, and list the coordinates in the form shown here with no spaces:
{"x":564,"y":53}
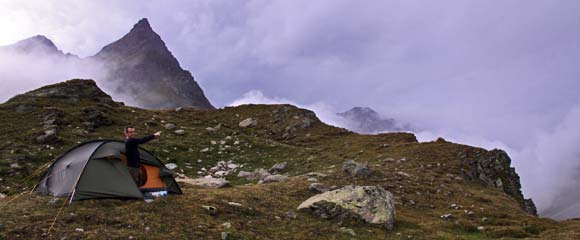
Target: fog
{"x":490,"y":74}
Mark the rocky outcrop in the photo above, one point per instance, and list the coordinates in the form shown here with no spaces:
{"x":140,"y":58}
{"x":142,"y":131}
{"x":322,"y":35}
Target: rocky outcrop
{"x":492,"y":168}
{"x":371,"y":204}
{"x":71,"y":91}
{"x":139,"y":65}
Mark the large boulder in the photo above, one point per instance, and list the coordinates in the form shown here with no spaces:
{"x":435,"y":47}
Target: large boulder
{"x":355,"y":169}
{"x":371,"y":204}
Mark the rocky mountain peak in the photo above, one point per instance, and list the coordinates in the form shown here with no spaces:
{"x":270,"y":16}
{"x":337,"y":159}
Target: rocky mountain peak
{"x":142,"y":67}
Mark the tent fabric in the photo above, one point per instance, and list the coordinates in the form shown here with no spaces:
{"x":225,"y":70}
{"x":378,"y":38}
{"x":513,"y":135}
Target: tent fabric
{"x":61,"y":177}
{"x":106,"y":178}
{"x":95,"y":169}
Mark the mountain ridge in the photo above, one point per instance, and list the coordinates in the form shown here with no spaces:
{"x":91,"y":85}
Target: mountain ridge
{"x":442,"y":190}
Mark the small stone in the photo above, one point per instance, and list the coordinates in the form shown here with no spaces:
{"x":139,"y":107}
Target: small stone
{"x":79,"y":230}
{"x":481,"y":228}
{"x":274,"y":178}
{"x":235,"y":204}
{"x":14,"y":165}
{"x":278,"y":167}
{"x":171,"y":166}
{"x":225,"y":235}
{"x":227,"y":225}
{"x":248,"y":122}
{"x":210,"y":209}
{"x":179,"y":132}
{"x":178,"y":109}
{"x":348,"y":231}
{"x":147,"y":228}
{"x":2,"y":195}
{"x":352,"y":168}
{"x":318,"y":187}
{"x":291,"y":214}
{"x":446,"y":216}
{"x":169,"y":126}
{"x":204,"y":150}
{"x":312,"y":179}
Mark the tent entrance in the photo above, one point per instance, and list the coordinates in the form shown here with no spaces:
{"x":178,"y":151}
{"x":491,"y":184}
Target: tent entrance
{"x":151,"y":174}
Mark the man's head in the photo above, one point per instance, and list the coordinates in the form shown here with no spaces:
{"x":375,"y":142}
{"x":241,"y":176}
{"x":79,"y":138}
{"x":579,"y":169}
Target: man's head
{"x":129,"y":131}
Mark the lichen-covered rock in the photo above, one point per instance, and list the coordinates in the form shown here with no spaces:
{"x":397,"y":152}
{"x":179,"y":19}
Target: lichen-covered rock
{"x":492,"y":168}
{"x":371,"y":204}
{"x":355,"y":169}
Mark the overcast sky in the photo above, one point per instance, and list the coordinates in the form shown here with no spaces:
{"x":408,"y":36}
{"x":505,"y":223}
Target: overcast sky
{"x":488,"y":73}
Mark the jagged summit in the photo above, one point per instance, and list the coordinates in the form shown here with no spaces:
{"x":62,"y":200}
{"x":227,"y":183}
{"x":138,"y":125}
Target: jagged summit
{"x":140,"y":65}
{"x":139,"y":39}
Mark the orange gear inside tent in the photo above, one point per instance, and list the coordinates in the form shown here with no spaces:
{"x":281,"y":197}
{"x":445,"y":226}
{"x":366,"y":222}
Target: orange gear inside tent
{"x":150,"y":173}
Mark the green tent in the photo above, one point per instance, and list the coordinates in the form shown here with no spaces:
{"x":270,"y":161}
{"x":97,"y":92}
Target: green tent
{"x":97,"y":169}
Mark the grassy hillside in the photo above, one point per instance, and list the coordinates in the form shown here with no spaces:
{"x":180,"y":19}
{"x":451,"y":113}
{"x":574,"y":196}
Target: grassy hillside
{"x":425,"y":178}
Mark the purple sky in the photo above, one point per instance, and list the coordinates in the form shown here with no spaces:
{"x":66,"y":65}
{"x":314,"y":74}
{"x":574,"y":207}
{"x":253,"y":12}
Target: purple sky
{"x":488,"y":73}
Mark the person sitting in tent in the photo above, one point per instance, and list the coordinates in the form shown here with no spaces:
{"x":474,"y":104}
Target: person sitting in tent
{"x":132,"y":153}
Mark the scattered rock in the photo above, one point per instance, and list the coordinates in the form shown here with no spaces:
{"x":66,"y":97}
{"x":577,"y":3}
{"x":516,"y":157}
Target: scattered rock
{"x":235,"y":204}
{"x":316,"y":174}
{"x":171,"y":166}
{"x":352,"y":168}
{"x":278,"y":167}
{"x":207,"y":182}
{"x":227,"y":225}
{"x":2,"y":195}
{"x":347,"y":231}
{"x":79,"y":230}
{"x":169,"y":126}
{"x":14,"y":165}
{"x":248,"y":122}
{"x":372,"y":204}
{"x":291,"y":214}
{"x":318,"y":188}
{"x":274,"y":178}
{"x":49,"y":137}
{"x":225,"y":235}
{"x":178,"y":109}
{"x":481,"y":228}
{"x":446,"y":216}
{"x":179,"y":132}
{"x":210,"y":209}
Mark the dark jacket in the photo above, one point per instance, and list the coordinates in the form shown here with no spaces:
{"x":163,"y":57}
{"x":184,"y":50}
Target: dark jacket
{"x":132,"y":150}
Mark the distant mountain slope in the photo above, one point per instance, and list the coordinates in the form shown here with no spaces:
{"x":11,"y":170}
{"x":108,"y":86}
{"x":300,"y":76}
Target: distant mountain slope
{"x":366,"y":120}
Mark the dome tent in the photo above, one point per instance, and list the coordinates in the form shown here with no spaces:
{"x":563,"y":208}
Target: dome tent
{"x":97,"y":169}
